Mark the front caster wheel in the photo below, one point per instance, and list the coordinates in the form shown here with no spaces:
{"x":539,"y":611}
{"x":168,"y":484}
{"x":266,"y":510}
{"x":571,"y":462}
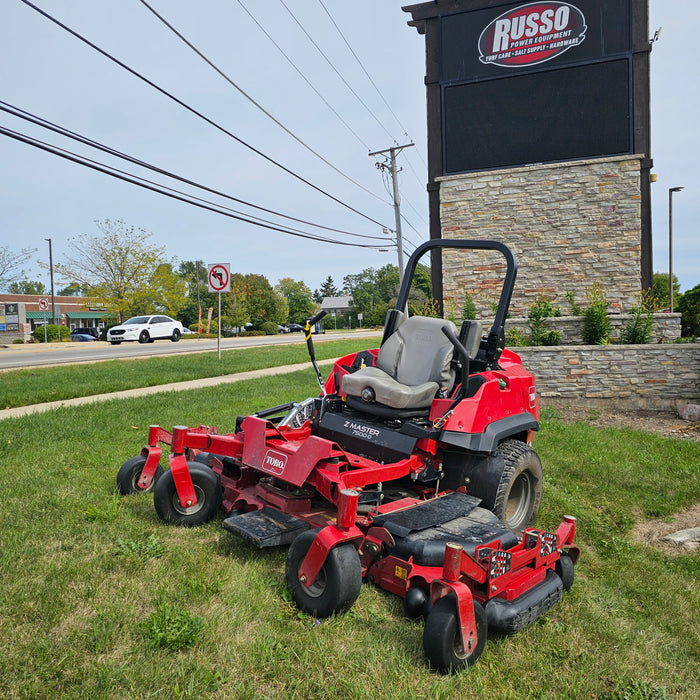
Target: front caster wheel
{"x":442,"y":641}
{"x":129,"y":474}
{"x":207,"y":489}
{"x":564,"y":568}
{"x":338,"y":582}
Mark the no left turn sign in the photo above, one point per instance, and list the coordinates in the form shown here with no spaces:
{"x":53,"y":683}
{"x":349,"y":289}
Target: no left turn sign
{"x":43,"y":304}
{"x":219,"y":277}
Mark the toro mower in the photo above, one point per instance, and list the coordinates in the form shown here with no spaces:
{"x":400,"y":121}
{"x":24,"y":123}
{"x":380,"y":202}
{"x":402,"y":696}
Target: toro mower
{"x":412,"y":469}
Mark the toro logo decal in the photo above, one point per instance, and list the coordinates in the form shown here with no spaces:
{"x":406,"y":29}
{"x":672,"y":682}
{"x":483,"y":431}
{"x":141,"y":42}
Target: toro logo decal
{"x":532,"y":33}
{"x":274,"y":462}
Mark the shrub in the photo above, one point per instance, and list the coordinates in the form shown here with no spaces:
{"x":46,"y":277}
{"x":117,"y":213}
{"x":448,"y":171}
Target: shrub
{"x":469,"y":308}
{"x":515,"y":338}
{"x":540,"y":310}
{"x":18,"y":341}
{"x":596,"y":324}
{"x":51,"y":333}
{"x":575,"y":308}
{"x":638,"y":329}
{"x":269,"y":328}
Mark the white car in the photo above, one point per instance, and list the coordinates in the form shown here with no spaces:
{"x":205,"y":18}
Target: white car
{"x":146,"y":329}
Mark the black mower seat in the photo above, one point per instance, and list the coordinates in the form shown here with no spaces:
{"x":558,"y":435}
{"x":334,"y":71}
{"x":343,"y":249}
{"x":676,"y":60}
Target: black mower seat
{"x":412,"y":365}
{"x":423,"y":531}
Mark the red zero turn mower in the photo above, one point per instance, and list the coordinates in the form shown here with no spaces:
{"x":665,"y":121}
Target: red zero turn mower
{"x":412,"y":469}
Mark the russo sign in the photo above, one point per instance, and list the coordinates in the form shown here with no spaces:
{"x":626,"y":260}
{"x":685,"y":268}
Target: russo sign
{"x":531,"y":34}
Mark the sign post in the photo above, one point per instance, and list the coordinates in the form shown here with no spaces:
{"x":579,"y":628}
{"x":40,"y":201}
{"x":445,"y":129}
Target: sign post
{"x":219,"y":279}
{"x":43,"y":306}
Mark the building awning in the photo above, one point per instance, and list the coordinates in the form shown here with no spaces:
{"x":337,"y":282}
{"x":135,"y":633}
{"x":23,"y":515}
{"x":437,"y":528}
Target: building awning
{"x":41,"y":314}
{"x":84,"y":314}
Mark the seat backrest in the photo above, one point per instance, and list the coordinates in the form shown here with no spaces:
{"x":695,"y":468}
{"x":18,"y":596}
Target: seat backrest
{"x":470,"y":336}
{"x":418,"y":351}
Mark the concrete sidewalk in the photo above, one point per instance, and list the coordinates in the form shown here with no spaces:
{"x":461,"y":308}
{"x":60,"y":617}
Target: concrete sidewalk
{"x":158,"y":389}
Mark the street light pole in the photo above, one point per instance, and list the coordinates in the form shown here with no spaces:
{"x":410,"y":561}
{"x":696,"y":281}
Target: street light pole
{"x":671,"y":190}
{"x":53,"y":302}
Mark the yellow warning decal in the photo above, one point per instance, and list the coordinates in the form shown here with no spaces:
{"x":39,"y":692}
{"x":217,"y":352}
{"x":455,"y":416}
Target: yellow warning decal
{"x":400,"y":572}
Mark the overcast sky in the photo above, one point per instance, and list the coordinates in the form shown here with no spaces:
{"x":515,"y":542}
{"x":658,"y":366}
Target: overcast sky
{"x":46,"y":71}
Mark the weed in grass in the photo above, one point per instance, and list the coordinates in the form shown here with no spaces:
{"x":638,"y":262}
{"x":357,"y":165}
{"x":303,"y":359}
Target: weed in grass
{"x":104,"y":512}
{"x":150,"y":548}
{"x":171,"y":628}
{"x":203,"y":584}
{"x":633,"y":690}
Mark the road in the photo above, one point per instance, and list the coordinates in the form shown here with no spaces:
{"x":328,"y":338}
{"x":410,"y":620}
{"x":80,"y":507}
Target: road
{"x":39,"y":354}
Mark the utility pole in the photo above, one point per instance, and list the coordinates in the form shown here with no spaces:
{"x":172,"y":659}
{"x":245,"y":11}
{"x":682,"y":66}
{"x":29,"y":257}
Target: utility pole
{"x":397,"y":200}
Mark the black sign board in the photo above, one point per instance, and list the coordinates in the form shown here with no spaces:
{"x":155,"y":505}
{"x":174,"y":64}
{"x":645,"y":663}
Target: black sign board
{"x":574,"y":112}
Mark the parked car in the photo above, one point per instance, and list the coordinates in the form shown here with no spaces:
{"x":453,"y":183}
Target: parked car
{"x":282,"y":329}
{"x":295,"y":328}
{"x":146,"y":329}
{"x":84,"y":335}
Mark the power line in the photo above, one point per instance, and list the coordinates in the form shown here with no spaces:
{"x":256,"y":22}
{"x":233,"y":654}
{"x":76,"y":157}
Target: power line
{"x":257,"y":104}
{"x":337,"y":72}
{"x":34,"y":119}
{"x":195,"y":112}
{"x":298,"y":70}
{"x":364,"y":70}
{"x":166,"y":191}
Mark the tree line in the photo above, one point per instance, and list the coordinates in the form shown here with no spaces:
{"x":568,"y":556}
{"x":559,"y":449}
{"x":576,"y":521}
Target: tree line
{"x":121,"y":268}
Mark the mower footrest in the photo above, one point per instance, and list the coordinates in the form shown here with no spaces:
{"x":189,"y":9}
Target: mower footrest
{"x":512,"y":615}
{"x":266,"y":527}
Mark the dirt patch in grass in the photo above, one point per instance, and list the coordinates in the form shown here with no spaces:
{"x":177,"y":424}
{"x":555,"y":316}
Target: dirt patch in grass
{"x":666,"y":423}
{"x":652,"y":532}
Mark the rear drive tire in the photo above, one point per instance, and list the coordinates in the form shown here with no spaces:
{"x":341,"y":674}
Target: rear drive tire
{"x":519,"y":492}
{"x":175,"y":336}
{"x":207,"y":489}
{"x":441,"y":638}
{"x":129,"y":474}
{"x":338,"y":582}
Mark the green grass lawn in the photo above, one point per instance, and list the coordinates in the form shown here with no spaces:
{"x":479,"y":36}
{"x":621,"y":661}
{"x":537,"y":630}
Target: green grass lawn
{"x":99,"y":599}
{"x":24,"y":387}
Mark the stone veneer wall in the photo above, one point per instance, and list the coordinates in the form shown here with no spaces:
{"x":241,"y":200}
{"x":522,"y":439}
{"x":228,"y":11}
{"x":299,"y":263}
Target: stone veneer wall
{"x":569,"y":225}
{"x":626,"y":376}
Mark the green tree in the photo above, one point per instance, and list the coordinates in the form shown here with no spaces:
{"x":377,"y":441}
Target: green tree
{"x":263,"y":303}
{"x":27,"y":287}
{"x":660,"y":289}
{"x":11,"y":263}
{"x":168,"y":291}
{"x":194,"y":275}
{"x":236,"y":308}
{"x":72,"y":290}
{"x":117,"y":266}
{"x":299,"y":298}
{"x":689,"y":307}
{"x":327,"y":289}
